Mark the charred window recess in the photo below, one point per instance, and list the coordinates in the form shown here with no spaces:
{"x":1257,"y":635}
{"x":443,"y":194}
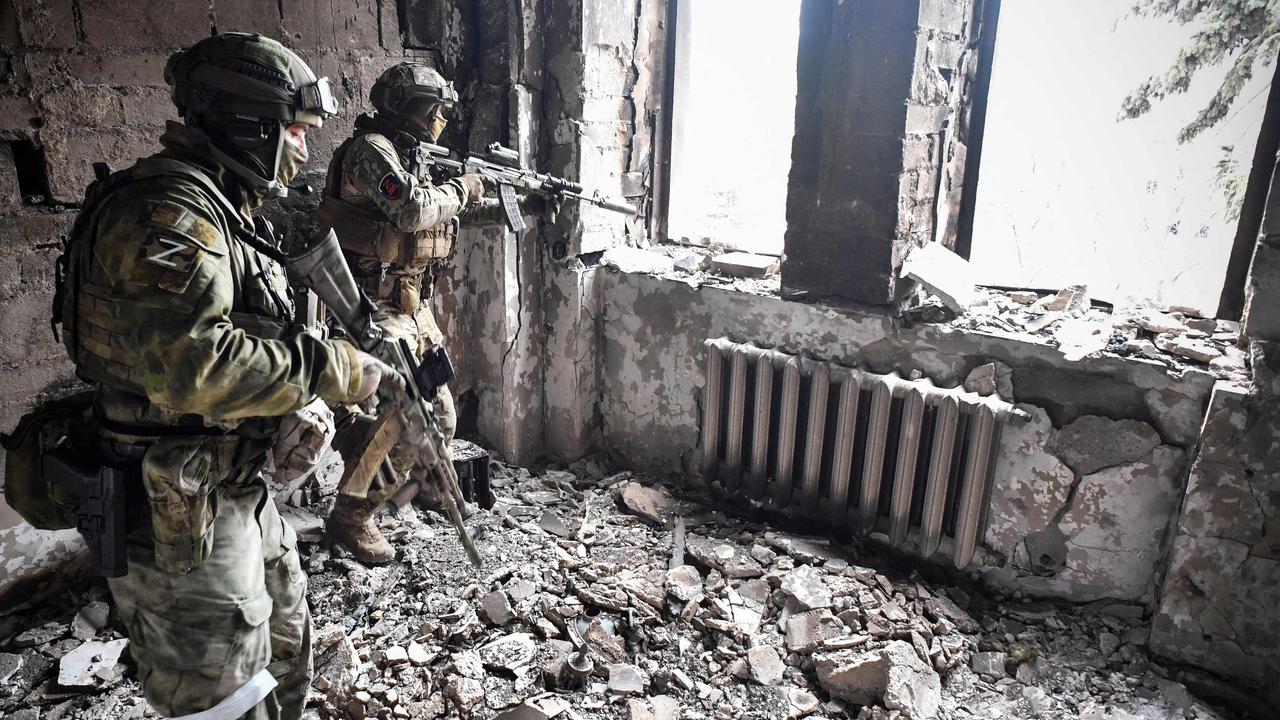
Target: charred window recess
{"x":421,"y":21}
{"x":733,"y":117}
{"x":33,"y":177}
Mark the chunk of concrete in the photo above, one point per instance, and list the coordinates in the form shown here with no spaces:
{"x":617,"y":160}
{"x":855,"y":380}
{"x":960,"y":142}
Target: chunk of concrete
{"x":944,"y":273}
{"x":807,"y":631}
{"x":801,"y":702}
{"x":509,"y":652}
{"x":1093,"y":442}
{"x":496,"y":608}
{"x":990,"y":664}
{"x":684,"y":583}
{"x":1188,"y":348}
{"x":336,"y":660}
{"x":90,"y":663}
{"x":765,"y":665}
{"x":651,"y":504}
{"x":1073,"y":300}
{"x":732,"y":560}
{"x":743,"y":264}
{"x":692,"y":261}
{"x":626,"y":679}
{"x":90,"y":619}
{"x":665,"y":707}
{"x":9,"y":664}
{"x":993,"y":378}
{"x":807,"y":586}
{"x":639,"y":710}
{"x":941,"y":606}
{"x":465,"y":692}
{"x":892,"y":676}
{"x":1157,"y":322}
{"x":629,"y":259}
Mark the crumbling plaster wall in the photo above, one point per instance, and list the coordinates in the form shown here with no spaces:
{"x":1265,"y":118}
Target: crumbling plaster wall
{"x":1222,"y":590}
{"x":1091,"y":485}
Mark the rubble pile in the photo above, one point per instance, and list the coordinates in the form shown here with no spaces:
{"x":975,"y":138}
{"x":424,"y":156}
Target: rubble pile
{"x":603,"y":597}
{"x":1175,"y":336}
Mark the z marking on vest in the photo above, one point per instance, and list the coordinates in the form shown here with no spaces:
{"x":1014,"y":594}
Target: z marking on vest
{"x":159,"y":258}
{"x":170,"y":254}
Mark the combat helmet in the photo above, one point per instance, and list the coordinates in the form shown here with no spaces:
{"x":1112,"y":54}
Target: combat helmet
{"x":243,"y":90}
{"x":408,"y":93}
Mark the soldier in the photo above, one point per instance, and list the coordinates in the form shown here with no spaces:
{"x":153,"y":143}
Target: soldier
{"x":397,"y":229}
{"x":179,"y":313}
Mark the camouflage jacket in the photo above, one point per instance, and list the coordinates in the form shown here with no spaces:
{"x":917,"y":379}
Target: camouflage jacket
{"x":176,"y":318}
{"x":388,"y":210}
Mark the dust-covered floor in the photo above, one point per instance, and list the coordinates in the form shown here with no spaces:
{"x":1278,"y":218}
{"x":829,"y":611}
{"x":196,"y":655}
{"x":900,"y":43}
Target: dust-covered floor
{"x":581,"y":611}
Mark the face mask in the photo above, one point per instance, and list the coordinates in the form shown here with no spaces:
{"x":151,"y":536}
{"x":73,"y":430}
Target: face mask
{"x":436,"y":128}
{"x":292,"y":158}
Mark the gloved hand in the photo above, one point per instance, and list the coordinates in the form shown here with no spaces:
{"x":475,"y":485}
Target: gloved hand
{"x":373,"y":373}
{"x":476,"y":185}
{"x":301,"y":441}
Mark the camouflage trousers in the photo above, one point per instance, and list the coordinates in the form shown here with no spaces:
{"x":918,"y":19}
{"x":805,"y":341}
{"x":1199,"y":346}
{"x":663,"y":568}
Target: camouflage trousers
{"x":199,"y":636}
{"x":421,"y":331}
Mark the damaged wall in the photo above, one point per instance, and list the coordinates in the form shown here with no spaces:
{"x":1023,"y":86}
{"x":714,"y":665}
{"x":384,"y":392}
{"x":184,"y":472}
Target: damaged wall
{"x":1093,"y":510}
{"x":1223,"y":586}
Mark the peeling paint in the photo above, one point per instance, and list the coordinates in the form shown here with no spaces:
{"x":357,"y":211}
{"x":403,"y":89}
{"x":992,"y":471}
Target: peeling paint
{"x":1222,"y":588}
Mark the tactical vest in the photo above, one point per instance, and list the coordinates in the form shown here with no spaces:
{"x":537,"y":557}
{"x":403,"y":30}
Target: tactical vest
{"x":391,"y":264}
{"x":96,"y":336}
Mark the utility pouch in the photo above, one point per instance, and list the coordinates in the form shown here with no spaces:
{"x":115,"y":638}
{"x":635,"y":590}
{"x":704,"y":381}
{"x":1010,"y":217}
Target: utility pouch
{"x":181,"y":476}
{"x":28,"y":490}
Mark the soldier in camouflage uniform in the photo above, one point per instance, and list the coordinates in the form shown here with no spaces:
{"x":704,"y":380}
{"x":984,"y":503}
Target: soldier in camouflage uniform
{"x":397,"y":229}
{"x":178,"y":311}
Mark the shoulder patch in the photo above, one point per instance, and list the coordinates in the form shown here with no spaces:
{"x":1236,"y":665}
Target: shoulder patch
{"x":177,"y":258}
{"x":390,"y":187}
{"x":175,"y":220}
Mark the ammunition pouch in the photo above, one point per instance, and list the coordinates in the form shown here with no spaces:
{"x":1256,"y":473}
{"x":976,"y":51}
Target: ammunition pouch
{"x":27,"y":489}
{"x":405,"y":292}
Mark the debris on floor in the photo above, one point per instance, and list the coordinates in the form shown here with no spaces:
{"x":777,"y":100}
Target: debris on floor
{"x":586,"y":608}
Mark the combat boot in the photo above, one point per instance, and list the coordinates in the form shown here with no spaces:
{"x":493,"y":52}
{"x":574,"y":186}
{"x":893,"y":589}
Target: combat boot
{"x":351,"y":525}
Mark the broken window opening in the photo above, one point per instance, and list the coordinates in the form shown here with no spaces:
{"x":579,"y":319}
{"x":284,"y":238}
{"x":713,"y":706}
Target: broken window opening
{"x":733,"y":119}
{"x":1069,"y":195}
{"x":33,"y":174}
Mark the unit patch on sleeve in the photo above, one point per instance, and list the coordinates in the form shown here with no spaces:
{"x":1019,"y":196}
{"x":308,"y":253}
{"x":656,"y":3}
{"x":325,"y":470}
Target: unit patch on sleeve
{"x":390,"y":186}
{"x":177,"y":258}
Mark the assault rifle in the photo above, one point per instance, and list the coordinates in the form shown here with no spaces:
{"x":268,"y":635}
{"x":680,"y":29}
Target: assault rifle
{"x":502,"y":164}
{"x":411,"y":417}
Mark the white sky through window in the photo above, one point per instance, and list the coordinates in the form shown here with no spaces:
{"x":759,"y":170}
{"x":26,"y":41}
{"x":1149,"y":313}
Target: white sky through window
{"x":1067,"y":195}
{"x":733,"y":119}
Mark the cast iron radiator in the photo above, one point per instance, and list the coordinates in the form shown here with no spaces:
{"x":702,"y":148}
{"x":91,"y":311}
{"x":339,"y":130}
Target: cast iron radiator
{"x":849,"y":447}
